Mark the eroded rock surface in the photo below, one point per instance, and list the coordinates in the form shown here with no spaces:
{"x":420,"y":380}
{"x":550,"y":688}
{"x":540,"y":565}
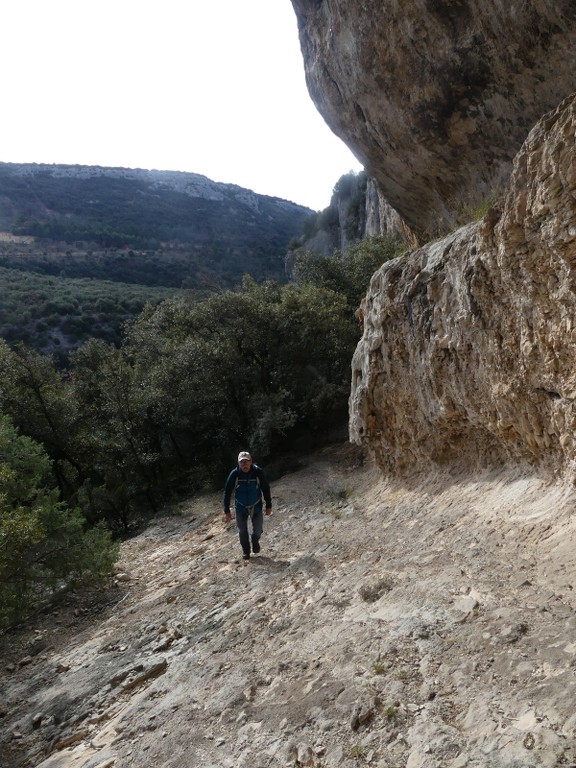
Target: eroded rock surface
{"x":429,"y":626}
{"x":435,"y":97}
{"x":468,"y":353}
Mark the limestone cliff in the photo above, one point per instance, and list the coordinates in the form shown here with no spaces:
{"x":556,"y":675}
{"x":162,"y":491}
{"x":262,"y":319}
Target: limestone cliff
{"x":435,"y":97}
{"x":357,"y":210}
{"x":468,"y":352}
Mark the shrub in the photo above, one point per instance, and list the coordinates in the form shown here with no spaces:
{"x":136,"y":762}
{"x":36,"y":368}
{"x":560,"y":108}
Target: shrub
{"x":348,"y":273}
{"x":43,"y":545}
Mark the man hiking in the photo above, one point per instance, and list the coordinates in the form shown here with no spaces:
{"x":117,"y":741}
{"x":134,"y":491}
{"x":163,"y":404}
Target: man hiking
{"x":249,"y":484}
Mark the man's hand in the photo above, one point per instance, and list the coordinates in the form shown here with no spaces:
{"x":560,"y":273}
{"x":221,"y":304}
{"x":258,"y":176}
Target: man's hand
{"x":268,"y":510}
{"x":227,"y":516}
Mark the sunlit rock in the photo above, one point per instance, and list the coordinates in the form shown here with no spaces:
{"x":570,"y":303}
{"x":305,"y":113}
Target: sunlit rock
{"x":468,"y":353}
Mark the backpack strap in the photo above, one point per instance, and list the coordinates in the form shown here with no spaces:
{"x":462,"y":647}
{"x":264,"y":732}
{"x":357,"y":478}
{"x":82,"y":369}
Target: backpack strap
{"x":250,"y":507}
{"x":258,"y":472}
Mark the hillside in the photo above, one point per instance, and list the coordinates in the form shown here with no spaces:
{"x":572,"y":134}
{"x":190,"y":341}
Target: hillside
{"x":426,"y":625}
{"x":221,"y":229}
{"x":156,"y":229}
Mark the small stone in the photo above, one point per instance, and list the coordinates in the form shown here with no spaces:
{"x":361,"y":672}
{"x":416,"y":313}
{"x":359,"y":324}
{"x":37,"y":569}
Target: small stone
{"x":122,"y":577}
{"x":466,"y":604}
{"x":305,"y":755}
{"x":144,"y":674}
{"x":365,"y":715}
{"x":250,"y":693}
{"x":114,"y":681}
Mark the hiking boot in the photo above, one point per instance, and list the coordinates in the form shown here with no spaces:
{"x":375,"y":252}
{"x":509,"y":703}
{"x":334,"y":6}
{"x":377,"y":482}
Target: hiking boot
{"x":255,"y":546}
{"x":246,"y":557}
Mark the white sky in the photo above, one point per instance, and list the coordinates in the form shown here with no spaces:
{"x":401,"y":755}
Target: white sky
{"x":210,"y":86}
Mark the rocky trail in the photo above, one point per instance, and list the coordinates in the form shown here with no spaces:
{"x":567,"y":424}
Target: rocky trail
{"x":382,"y":625}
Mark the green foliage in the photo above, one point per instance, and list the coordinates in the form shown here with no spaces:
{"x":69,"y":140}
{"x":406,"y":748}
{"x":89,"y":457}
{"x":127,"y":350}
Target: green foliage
{"x":357,"y":751}
{"x":350,"y":195}
{"x":309,"y":227}
{"x":465,"y":210}
{"x":49,"y":312}
{"x":43,"y":545}
{"x":474,"y":211}
{"x":83,"y":250}
{"x":93,"y":422}
{"x":244,"y":368}
{"x":379,"y":667}
{"x":36,"y":396}
{"x":120,"y":473}
{"x":348,"y":273}
{"x":144,"y":410}
{"x":346,"y":185}
{"x":90,"y":231}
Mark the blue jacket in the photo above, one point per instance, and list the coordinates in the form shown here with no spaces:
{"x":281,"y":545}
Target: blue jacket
{"x":248,"y":488}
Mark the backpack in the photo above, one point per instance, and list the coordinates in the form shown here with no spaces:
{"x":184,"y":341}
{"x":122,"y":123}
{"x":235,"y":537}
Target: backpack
{"x":249,"y":507}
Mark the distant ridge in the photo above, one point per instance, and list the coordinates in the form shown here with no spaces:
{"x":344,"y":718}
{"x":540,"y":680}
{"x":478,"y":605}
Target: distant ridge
{"x":84,"y":248}
{"x":192,"y":184}
{"x":220,"y":230}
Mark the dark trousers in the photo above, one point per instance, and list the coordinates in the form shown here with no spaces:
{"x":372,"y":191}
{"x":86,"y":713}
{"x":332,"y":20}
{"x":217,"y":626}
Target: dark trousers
{"x":243,"y":525}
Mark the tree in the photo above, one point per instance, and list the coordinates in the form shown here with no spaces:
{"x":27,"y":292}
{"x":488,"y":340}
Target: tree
{"x":245,"y":368}
{"x":116,"y":435}
{"x":39,"y":400}
{"x":44,"y":547}
{"x":348,"y":273}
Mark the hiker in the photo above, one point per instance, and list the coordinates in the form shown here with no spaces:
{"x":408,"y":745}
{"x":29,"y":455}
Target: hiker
{"x":249,"y":484}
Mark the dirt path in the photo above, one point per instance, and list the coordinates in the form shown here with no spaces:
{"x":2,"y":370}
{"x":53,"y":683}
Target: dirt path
{"x":381,"y":625}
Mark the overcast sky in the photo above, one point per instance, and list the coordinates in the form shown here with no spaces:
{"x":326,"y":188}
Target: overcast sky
{"x":210,"y":86}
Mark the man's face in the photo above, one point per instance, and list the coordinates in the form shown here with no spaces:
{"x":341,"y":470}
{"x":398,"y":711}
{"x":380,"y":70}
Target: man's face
{"x":245,"y":465}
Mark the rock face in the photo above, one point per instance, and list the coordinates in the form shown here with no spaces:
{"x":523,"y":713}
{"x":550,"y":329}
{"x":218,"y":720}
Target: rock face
{"x":435,"y":97}
{"x":468,"y":352}
{"x":382,"y":219}
{"x":357,"y":210}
